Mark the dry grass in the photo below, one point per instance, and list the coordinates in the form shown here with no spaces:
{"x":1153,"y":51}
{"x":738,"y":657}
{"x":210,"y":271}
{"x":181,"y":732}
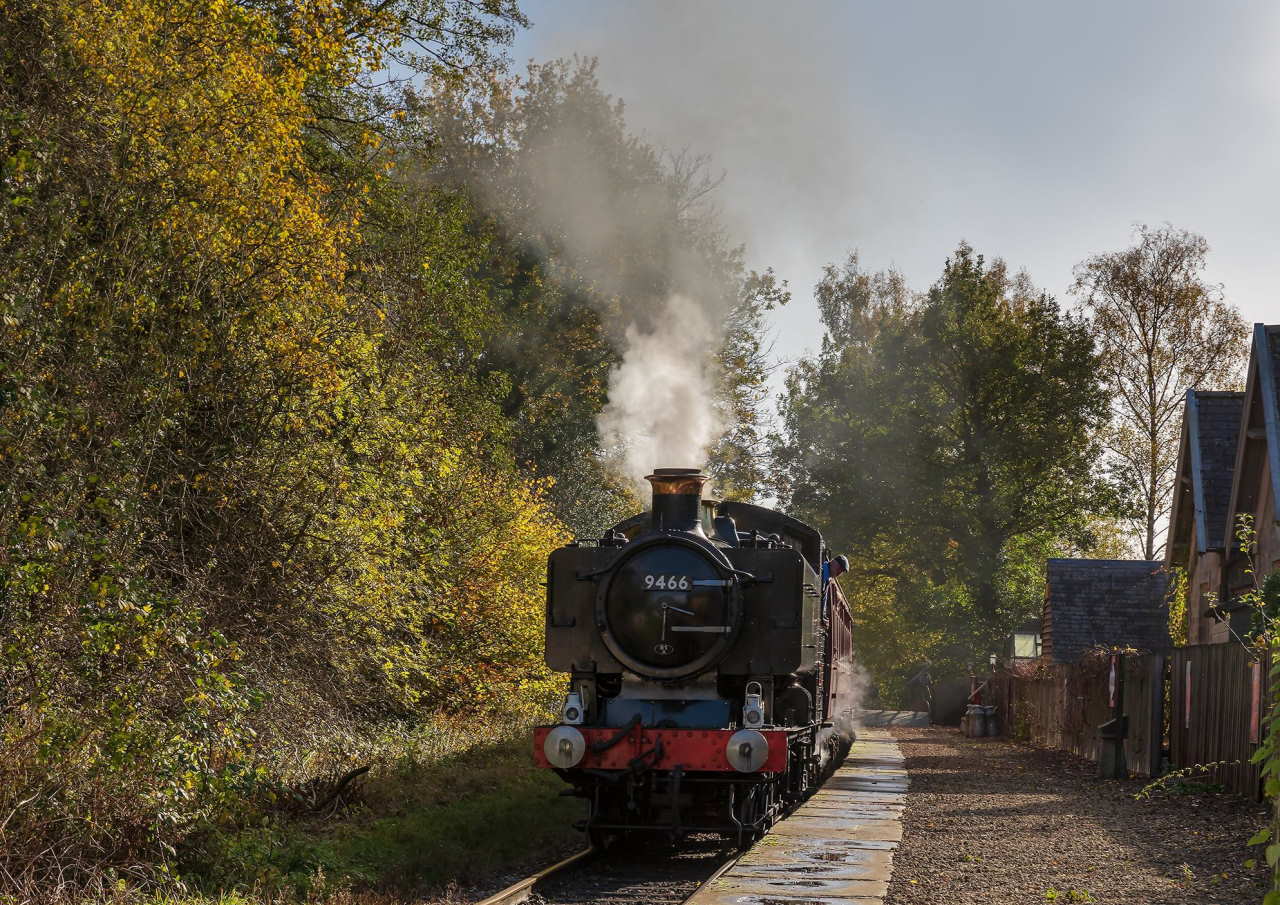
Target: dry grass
{"x":444,"y":805}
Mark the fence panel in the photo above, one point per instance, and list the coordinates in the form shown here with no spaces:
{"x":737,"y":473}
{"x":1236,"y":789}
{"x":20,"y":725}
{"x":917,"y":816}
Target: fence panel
{"x":1062,"y":705}
{"x":1144,"y":678}
{"x":1216,"y":697}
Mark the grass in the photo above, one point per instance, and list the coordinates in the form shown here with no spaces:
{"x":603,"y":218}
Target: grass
{"x":444,"y":810}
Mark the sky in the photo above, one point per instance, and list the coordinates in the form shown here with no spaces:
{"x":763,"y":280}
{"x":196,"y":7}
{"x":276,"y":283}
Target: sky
{"x":1039,"y":132}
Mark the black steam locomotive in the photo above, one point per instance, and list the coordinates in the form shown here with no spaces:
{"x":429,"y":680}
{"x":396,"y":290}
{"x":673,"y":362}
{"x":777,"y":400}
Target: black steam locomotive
{"x":711,"y":666}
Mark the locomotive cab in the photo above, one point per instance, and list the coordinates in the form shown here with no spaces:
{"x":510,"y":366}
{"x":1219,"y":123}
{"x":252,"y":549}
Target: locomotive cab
{"x":705,"y":645}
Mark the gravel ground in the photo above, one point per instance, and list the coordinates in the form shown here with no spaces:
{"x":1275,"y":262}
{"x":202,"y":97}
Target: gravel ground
{"x":1003,"y":824}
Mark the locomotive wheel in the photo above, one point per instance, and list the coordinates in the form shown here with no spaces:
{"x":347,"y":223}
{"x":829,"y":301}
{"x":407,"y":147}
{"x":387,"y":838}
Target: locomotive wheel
{"x":758,"y":803}
{"x":601,"y":840}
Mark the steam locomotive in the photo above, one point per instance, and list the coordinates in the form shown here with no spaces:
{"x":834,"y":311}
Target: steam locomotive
{"x":711,"y":666}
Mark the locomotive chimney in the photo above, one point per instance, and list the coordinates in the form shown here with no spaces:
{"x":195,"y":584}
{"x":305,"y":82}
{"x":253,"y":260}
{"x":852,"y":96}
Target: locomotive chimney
{"x":677,"y":499}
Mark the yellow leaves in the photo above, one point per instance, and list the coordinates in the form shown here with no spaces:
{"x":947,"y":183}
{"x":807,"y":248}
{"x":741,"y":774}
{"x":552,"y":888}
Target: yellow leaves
{"x":208,"y":102}
{"x":448,"y":462}
{"x":229,"y":317}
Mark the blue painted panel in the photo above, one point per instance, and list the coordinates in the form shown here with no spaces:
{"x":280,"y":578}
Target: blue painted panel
{"x":674,"y":714}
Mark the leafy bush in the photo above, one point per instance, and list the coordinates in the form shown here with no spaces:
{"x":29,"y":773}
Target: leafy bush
{"x":240,"y":489}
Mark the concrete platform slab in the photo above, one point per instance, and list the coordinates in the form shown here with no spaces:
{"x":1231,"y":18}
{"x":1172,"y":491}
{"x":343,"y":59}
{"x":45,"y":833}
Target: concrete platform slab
{"x":822,"y":854}
{"x":886,"y":718}
{"x":835,"y":828}
{"x":716,"y":896}
{"x":770,"y":888}
{"x":850,"y":803}
{"x":837,"y":847}
{"x":855,"y":796}
{"x":868,"y":812}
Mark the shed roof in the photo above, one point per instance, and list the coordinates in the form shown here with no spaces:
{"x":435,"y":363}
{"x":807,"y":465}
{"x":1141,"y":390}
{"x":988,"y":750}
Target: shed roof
{"x":1260,"y":421}
{"x":1206,"y":461}
{"x":1107,"y":602}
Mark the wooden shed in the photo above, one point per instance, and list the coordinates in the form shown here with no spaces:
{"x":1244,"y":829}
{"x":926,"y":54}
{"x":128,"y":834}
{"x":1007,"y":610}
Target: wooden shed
{"x":1255,"y":489}
{"x":1201,"y":495}
{"x":1103,"y":603}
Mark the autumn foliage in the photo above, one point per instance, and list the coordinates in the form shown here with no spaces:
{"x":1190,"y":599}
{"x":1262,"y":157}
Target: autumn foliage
{"x":293,"y":402}
{"x":231,"y":466}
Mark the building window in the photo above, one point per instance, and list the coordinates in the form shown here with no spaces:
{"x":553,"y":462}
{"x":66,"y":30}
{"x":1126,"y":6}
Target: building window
{"x":1026,"y":645}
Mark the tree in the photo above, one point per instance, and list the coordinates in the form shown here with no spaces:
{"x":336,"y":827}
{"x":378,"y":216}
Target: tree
{"x":739,"y":462}
{"x":240,"y":454}
{"x":1007,"y":407}
{"x":1160,"y":329}
{"x":945,"y":441}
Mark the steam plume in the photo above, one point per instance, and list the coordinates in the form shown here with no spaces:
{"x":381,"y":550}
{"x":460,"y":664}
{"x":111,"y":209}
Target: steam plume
{"x":619,"y":223}
{"x":632,"y":224}
{"x":660,"y":410}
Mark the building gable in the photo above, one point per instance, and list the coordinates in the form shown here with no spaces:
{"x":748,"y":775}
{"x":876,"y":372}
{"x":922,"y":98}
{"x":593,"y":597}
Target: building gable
{"x":1104,"y":602}
{"x":1259,"y":445}
{"x":1206,"y":461}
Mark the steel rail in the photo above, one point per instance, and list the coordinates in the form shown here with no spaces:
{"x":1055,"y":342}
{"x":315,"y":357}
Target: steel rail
{"x":720,"y":871}
{"x":520,"y":892}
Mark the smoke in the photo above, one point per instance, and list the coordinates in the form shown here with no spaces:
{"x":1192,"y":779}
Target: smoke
{"x":629,"y":228}
{"x":786,"y":105}
{"x":862,"y":685}
{"x":617,"y":220}
{"x":635,"y":231}
{"x":660,"y":411}
{"x":660,"y":296}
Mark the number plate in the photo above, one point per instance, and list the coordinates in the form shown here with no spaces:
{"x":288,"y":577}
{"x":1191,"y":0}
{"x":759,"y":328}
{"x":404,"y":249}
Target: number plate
{"x":667,"y":582}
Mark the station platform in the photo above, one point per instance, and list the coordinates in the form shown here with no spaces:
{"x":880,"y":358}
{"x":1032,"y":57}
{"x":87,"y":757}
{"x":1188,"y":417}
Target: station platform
{"x":837,"y":847}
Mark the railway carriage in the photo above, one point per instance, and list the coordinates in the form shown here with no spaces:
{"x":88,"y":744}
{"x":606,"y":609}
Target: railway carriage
{"x":710,"y":666}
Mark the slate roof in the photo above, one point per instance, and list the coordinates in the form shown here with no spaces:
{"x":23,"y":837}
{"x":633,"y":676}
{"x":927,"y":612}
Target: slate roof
{"x":1266,"y":342}
{"x":1262,"y":415}
{"x":1218,"y":429}
{"x":1211,"y":431}
{"x":1108,"y":602}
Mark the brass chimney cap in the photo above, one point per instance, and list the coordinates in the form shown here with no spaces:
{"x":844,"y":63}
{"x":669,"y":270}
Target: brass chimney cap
{"x":678,"y":480}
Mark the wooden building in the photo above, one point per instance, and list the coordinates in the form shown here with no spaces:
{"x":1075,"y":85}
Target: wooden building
{"x":1091,"y":603}
{"x":1255,"y":489}
{"x":1201,"y":495}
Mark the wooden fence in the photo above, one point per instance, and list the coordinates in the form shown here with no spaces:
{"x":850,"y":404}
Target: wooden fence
{"x":1144,"y":707}
{"x":1202,"y":704}
{"x":1218,"y":692}
{"x":1062,"y":705}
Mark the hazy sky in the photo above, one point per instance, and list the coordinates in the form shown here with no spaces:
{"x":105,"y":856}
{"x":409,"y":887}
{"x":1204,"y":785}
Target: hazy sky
{"x":1040,"y":132}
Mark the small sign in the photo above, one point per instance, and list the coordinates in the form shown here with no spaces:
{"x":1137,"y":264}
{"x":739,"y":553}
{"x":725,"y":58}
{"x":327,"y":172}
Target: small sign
{"x":1186,"y":697}
{"x":1255,"y":702}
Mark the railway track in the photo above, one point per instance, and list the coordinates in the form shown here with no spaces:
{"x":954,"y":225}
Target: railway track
{"x":623,"y":875}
